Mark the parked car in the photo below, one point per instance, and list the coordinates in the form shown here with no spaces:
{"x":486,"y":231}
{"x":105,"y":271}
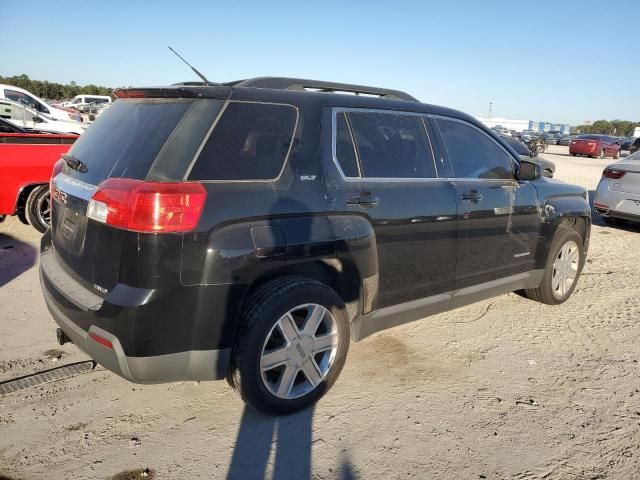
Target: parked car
{"x":25,"y":117}
{"x":551,"y":138}
{"x":565,"y":140}
{"x":26,"y":163}
{"x":261,"y":226}
{"x":548,"y":167}
{"x":9,"y":92}
{"x":635,"y":146}
{"x":617,"y":197}
{"x":80,"y":101}
{"x":594,"y":145}
{"x":626,"y":143}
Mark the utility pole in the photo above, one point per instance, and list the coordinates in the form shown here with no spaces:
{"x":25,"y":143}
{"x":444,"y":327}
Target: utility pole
{"x":490,"y":108}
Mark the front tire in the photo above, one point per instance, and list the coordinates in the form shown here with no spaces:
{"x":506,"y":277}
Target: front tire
{"x":603,"y":154}
{"x":38,"y":208}
{"x":292,"y":345}
{"x":564,"y":265}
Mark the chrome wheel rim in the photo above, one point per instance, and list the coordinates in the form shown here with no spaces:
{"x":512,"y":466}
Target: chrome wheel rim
{"x":44,"y":209}
{"x":565,"y":269}
{"x":299,"y":351}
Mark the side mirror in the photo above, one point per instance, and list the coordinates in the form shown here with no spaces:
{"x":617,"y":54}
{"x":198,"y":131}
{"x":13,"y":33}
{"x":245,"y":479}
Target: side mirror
{"x":37,"y":119}
{"x":529,"y":170}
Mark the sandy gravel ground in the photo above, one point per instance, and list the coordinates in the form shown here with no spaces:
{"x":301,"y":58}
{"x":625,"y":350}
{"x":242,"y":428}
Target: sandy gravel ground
{"x":506,"y":388}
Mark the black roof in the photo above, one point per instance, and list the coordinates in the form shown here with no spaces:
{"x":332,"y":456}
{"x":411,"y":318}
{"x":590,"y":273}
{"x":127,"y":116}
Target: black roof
{"x":299,"y":91}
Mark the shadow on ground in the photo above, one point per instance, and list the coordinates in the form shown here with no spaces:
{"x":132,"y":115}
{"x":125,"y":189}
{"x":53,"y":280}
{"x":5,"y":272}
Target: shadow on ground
{"x":16,"y":257}
{"x":289,"y":437}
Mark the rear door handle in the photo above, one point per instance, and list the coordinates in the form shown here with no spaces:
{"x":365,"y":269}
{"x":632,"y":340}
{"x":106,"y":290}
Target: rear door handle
{"x":365,"y":200}
{"x":472,"y":195}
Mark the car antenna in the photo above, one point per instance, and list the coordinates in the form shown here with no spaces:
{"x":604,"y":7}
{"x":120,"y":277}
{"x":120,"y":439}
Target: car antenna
{"x":192,"y":67}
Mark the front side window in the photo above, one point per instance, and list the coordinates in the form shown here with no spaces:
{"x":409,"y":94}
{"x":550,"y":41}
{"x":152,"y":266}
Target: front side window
{"x":472,"y":153}
{"x":250,"y":142}
{"x":390,"y":145}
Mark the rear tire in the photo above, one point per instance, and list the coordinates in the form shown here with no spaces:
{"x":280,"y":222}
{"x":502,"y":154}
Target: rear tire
{"x":38,"y":208}
{"x":277,"y":342}
{"x":551,"y":291}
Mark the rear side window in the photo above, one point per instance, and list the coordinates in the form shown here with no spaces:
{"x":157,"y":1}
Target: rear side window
{"x":250,"y":142}
{"x":391,"y":145}
{"x":472,"y":153}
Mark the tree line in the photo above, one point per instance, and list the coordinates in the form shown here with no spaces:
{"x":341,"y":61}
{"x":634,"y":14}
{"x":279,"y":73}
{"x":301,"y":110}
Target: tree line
{"x":52,"y":90}
{"x":620,"y":128}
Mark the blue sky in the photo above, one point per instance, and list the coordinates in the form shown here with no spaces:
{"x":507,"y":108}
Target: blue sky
{"x":563,"y":61}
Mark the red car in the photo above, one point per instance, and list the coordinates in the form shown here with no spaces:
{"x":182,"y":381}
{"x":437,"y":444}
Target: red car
{"x":26,"y":162}
{"x":595,"y":146}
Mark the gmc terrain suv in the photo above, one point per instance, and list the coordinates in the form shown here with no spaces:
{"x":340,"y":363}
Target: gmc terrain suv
{"x":250,"y":230}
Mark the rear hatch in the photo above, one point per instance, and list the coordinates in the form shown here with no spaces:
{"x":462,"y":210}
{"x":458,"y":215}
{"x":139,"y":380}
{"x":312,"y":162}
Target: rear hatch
{"x":630,"y":181}
{"x":139,"y":139}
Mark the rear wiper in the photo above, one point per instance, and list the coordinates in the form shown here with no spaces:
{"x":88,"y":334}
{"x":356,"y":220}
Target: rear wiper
{"x":74,"y":163}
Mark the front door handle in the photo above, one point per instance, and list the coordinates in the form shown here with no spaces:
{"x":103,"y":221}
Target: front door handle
{"x":472,"y":195}
{"x":364,"y":200}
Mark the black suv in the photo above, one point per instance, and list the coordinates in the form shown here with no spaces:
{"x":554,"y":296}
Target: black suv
{"x":250,"y":230}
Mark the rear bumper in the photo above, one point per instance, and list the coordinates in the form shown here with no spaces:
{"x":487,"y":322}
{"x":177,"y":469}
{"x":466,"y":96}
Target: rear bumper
{"x":583,"y":150}
{"x":158,"y":335}
{"x":189,"y":365}
{"x":614,"y":203}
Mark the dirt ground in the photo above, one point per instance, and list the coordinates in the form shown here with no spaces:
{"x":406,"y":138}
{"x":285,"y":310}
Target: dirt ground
{"x":507,"y":388}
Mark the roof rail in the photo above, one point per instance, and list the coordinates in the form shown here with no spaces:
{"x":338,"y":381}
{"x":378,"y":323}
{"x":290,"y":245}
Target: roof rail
{"x":319,"y":85}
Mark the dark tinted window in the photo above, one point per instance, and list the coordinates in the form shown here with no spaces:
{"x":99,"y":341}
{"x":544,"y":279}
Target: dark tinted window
{"x":590,"y":137}
{"x":126,"y":138}
{"x":473,"y":154}
{"x":250,"y":142}
{"x":345,"y":152}
{"x":392,"y":145}
{"x":517,"y":145}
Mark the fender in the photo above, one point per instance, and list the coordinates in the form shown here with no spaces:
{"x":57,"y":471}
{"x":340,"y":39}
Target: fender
{"x":558,"y":209}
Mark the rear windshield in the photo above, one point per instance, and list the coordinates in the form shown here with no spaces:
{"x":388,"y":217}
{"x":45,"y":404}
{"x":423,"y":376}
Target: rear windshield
{"x":590,"y":137}
{"x":126,"y":138}
{"x":249,"y":142}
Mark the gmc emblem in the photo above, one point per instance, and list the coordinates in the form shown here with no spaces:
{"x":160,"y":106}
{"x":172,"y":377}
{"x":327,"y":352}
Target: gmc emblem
{"x":60,"y":196}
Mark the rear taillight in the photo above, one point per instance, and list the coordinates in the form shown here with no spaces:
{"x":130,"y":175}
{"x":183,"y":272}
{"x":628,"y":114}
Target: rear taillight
{"x":57,"y":168}
{"x":148,"y":206}
{"x":613,"y":173}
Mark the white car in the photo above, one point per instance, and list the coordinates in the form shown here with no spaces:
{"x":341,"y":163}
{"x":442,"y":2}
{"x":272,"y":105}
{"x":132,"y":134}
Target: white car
{"x":618,"y":194}
{"x":25,"y":117}
{"x":83,"y":100}
{"x":16,"y":94}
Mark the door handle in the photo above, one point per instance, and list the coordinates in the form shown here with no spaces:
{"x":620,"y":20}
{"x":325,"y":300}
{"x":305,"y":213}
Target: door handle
{"x":472,"y":195}
{"x":364,"y":200}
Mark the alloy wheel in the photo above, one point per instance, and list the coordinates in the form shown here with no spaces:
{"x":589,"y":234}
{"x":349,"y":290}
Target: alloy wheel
{"x":299,"y":351}
{"x":565,"y":269}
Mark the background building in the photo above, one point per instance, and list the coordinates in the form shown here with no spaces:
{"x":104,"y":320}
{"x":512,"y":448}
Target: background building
{"x":520,"y":125}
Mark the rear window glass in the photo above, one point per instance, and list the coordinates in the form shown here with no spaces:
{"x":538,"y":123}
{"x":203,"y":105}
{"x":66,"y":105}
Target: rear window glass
{"x":126,"y":138}
{"x":392,"y":145}
{"x":590,"y":137}
{"x":250,"y":142}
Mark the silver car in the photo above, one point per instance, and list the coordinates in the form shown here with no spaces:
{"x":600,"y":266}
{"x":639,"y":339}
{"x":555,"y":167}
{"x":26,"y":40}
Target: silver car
{"x":618,"y":193}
